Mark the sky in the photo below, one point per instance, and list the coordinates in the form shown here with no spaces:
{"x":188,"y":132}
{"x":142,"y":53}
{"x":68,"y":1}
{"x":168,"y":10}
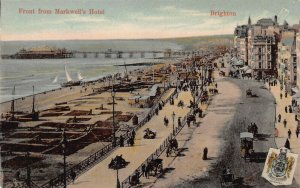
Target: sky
{"x":136,"y":19}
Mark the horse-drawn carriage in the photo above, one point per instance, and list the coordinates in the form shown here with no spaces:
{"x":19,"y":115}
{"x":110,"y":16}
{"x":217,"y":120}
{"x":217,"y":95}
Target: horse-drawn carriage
{"x":172,"y":148}
{"x":155,"y":166}
{"x":204,"y":98}
{"x":180,"y":103}
{"x":227,"y":179}
{"x":117,"y":163}
{"x":248,"y":92}
{"x":252,"y":128}
{"x":191,"y":118}
{"x":149,"y":134}
{"x":247,"y":151}
{"x":221,"y":73}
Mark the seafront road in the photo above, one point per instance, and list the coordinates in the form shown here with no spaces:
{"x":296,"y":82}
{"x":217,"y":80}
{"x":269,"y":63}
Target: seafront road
{"x":259,"y":110}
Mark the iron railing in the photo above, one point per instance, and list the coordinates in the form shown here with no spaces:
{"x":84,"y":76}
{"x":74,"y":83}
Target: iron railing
{"x":98,"y":156}
{"x":160,"y":150}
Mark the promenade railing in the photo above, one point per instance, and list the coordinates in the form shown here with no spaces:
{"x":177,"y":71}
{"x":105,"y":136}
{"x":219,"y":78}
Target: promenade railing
{"x":161,"y":148}
{"x":98,"y":156}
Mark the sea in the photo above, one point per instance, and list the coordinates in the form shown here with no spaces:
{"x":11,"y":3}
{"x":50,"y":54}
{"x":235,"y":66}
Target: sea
{"x":41,"y":73}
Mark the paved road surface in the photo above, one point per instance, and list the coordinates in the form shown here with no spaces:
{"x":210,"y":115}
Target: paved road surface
{"x":260,"y":110}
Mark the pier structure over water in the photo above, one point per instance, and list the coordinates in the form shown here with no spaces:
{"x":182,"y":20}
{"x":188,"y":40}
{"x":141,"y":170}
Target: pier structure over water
{"x":42,"y":53}
{"x":168,"y":53}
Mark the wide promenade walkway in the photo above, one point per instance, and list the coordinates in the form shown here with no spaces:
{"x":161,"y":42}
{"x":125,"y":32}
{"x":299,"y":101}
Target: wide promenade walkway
{"x":101,"y":176}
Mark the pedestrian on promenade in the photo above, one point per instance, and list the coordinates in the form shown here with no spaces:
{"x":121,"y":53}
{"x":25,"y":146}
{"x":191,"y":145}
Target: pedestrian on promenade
{"x":128,"y":131}
{"x":276,"y":132}
{"x":279,"y":118}
{"x":297,"y":132}
{"x":166,"y":121}
{"x":73,"y":175}
{"x":290,"y":109}
{"x":296,"y":117}
{"x":287,"y":144}
{"x":280,"y":95}
{"x":284,"y":123}
{"x":133,"y":134}
{"x":121,"y":141}
{"x":148,"y":168}
{"x":285,"y":109}
{"x":200,"y":113}
{"x":285,"y":95}
{"x":179,"y":121}
{"x":205,"y":152}
{"x":144,"y":170}
{"x":289,"y":133}
{"x":216,"y":85}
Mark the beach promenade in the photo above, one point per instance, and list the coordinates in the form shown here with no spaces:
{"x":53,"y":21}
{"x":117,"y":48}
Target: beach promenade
{"x":189,"y":165}
{"x":101,"y":176}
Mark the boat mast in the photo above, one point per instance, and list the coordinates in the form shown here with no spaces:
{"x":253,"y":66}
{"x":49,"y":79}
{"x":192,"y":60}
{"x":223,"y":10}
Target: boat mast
{"x":33,"y":100}
{"x":125,"y":69}
{"x":12,"y":110}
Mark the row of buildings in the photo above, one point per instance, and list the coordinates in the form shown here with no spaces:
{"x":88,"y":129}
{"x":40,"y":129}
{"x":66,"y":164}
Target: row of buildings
{"x":271,"y":50}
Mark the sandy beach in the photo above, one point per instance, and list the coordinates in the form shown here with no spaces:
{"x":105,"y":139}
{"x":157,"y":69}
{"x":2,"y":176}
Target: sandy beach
{"x":82,"y":109}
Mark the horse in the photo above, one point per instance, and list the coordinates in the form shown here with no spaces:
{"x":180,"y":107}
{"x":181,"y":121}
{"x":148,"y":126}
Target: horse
{"x":172,"y":147}
{"x":248,"y":75}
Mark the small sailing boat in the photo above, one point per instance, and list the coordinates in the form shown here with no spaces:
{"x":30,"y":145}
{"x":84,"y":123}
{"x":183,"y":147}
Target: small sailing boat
{"x":70,"y":82}
{"x":79,"y":76}
{"x":55,"y":80}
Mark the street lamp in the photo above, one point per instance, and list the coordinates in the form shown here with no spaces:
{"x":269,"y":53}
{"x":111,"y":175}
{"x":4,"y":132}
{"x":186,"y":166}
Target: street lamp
{"x":64,"y":146}
{"x":113,"y":94}
{"x":28,"y":178}
{"x":194,"y":95}
{"x":173,"y":117}
{"x":275,"y":113}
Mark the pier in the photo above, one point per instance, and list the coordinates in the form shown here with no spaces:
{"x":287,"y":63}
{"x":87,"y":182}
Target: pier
{"x":168,"y":53}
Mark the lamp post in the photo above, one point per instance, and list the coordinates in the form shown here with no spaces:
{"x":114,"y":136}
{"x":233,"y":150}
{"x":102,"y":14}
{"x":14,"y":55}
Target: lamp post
{"x":194,"y":96}
{"x":275,"y":114}
{"x":28,"y":171}
{"x":173,"y":117}
{"x":113,"y":94}
{"x":118,"y":181}
{"x":64,"y":146}
{"x":202,"y":75}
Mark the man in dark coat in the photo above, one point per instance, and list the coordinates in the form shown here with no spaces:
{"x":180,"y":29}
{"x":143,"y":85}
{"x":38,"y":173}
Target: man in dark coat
{"x":287,"y":144}
{"x":205,"y":152}
{"x":121,"y":141}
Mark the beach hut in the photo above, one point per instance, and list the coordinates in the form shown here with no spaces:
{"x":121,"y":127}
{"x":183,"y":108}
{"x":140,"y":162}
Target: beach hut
{"x":154,"y":91}
{"x":134,"y":100}
{"x":144,"y":101}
